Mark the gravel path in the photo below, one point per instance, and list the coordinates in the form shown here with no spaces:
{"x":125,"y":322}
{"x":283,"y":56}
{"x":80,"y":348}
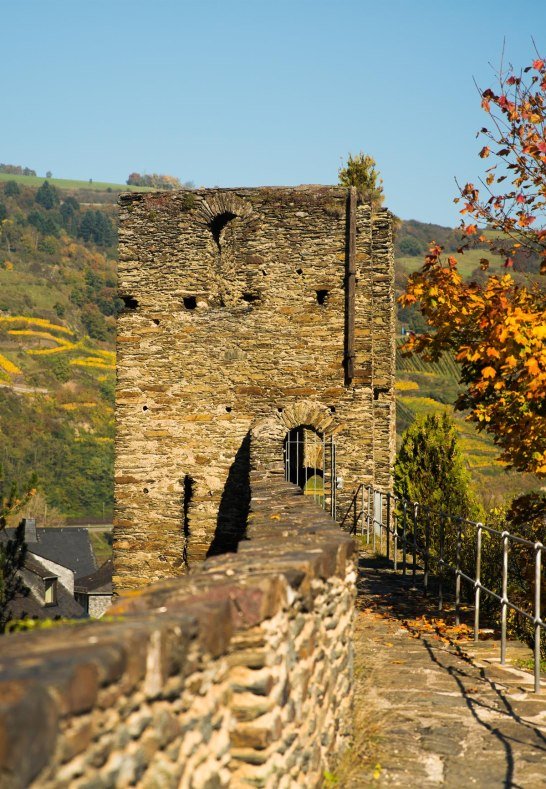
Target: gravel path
{"x":433,"y":709}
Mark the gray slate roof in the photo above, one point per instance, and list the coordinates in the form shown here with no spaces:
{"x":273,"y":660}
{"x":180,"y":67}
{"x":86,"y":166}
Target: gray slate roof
{"x":68,"y":546}
{"x":99,"y":582}
{"x":32,"y":606}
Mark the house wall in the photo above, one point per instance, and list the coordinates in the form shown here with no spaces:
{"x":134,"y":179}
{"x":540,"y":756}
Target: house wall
{"x":192,"y":382}
{"x":98,"y":604}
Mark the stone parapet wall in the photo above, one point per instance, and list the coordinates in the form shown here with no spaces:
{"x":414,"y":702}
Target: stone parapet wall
{"x":238,"y":674}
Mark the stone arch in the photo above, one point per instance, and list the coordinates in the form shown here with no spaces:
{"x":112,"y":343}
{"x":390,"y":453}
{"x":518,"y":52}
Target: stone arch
{"x":267,"y":435}
{"x":223,"y":204}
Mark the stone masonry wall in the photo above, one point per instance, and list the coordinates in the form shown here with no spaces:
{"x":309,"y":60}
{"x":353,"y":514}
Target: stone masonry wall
{"x":238,"y":674}
{"x":235,"y":320}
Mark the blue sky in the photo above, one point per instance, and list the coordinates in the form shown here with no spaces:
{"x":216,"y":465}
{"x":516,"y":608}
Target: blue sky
{"x":251,"y":92}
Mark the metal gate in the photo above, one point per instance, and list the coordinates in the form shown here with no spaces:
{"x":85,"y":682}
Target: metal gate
{"x":310,"y":463}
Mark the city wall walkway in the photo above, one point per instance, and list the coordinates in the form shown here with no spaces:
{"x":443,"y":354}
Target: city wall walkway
{"x":431,"y":707}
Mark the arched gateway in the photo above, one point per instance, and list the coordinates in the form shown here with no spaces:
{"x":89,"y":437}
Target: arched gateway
{"x":258,"y":333}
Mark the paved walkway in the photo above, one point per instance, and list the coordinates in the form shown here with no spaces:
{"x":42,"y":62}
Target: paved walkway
{"x":430,"y":708}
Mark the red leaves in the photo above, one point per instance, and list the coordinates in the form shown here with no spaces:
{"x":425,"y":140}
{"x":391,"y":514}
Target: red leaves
{"x":538,"y":64}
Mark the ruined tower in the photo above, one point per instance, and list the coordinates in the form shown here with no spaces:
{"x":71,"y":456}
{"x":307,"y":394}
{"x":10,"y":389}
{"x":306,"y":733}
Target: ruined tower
{"x":258,"y":330}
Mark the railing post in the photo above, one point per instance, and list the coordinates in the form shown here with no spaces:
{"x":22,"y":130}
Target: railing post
{"x":538,"y":570}
{"x":477,"y":583}
{"x":414,"y":569}
{"x":458,"y":576}
{"x":427,"y":548}
{"x":504,"y":609}
{"x":441,"y":564}
{"x":404,"y":534}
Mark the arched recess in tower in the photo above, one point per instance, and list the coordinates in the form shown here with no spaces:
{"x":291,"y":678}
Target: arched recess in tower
{"x":309,"y":462}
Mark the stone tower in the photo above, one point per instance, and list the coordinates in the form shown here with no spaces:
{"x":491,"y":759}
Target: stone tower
{"x":251,"y":316}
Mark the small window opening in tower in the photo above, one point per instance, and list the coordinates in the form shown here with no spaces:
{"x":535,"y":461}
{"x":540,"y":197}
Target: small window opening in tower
{"x":322,"y":296}
{"x":218,"y":223}
{"x":129,"y":302}
{"x":190,"y":302}
{"x":250,"y":297}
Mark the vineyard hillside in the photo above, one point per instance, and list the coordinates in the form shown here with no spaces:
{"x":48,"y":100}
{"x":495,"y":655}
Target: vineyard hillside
{"x":58,"y":302}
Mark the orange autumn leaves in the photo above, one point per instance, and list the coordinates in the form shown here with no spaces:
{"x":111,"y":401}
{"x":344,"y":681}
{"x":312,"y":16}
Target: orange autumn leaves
{"x":497,"y":328}
{"x":497,"y":331}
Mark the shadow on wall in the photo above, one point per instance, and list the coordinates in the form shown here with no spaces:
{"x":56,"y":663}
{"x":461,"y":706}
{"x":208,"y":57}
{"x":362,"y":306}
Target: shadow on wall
{"x":187,"y":497}
{"x":234,"y":505}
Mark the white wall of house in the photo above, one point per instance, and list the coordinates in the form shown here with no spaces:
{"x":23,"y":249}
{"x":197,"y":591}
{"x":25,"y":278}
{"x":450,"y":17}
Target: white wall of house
{"x":64,"y":574}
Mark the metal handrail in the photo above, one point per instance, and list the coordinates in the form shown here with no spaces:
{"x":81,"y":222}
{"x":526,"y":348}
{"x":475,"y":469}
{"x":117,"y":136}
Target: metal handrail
{"x":382,"y":514}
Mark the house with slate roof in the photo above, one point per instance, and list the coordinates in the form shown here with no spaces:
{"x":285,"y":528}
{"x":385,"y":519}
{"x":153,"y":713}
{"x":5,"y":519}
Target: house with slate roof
{"x":56,"y":559}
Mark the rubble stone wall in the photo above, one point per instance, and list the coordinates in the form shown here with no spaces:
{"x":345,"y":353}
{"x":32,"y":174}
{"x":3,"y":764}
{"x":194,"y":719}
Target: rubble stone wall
{"x":238,"y":674}
{"x":235,"y":318}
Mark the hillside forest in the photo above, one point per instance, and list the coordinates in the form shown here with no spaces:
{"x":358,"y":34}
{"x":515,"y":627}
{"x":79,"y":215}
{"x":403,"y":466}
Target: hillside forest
{"x":58,"y":307}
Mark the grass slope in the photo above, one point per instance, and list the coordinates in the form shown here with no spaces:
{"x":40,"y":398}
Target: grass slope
{"x":65,"y":184}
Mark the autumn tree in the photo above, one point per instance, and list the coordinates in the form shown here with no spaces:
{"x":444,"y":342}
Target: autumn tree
{"x":496,"y":326}
{"x":154,"y":180}
{"x":360,"y":172}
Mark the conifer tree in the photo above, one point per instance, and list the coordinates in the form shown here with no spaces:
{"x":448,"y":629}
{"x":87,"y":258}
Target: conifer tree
{"x":47,"y":196}
{"x":430,"y":470}
{"x":13,"y":550}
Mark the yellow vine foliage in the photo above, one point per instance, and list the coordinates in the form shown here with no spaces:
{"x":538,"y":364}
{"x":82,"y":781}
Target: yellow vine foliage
{"x":26,"y":320}
{"x":8,"y":366}
{"x":63,"y":347}
{"x":75,"y":406}
{"x":406,"y":386}
{"x":90,"y":361}
{"x":110,"y":355}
